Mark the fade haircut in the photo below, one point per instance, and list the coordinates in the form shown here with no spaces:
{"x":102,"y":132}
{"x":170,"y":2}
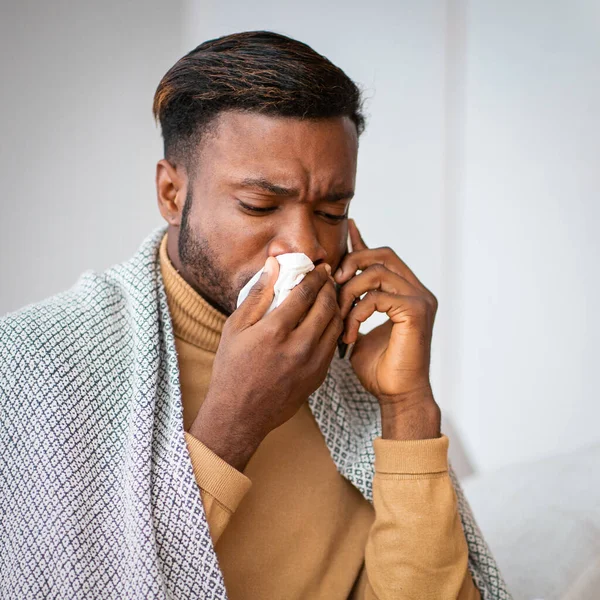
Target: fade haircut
{"x":252,"y":71}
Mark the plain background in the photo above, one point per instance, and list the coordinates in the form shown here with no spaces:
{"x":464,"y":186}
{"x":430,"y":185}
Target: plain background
{"x":479,"y":166}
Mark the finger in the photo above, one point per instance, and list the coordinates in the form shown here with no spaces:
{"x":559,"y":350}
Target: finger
{"x":327,"y":344}
{"x":357,"y":241}
{"x":260,"y":296}
{"x":320,"y":313}
{"x":361,"y":259}
{"x":375,"y":277}
{"x":398,"y":308}
{"x":332,"y":332}
{"x":289,"y":313}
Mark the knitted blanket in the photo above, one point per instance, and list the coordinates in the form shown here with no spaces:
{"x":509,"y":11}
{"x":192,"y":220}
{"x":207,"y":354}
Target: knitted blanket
{"x":97,"y":494}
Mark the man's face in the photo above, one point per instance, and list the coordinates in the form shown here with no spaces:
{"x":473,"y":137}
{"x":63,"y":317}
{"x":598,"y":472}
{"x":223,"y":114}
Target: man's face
{"x":301,"y":172}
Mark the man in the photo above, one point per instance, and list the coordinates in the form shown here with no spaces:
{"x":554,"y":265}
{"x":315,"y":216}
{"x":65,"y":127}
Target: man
{"x":160,"y":442}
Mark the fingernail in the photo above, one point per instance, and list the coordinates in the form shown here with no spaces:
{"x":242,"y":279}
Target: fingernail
{"x":328,"y":268}
{"x":338,"y":273}
{"x":268,"y":266}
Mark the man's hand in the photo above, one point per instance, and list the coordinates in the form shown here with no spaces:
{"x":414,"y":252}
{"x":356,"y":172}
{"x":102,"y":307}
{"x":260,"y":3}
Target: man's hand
{"x":392,"y":360}
{"x":265,"y":368}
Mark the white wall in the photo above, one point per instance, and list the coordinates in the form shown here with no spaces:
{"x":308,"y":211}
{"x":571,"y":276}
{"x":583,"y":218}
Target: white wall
{"x":79,"y":144}
{"x":527,"y":282}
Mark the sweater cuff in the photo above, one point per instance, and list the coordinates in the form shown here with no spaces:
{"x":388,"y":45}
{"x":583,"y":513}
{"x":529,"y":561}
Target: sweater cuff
{"x":411,"y":456}
{"x":215,"y":475}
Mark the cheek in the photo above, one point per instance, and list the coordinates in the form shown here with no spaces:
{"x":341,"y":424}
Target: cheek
{"x":243,"y":252}
{"x":340,"y":252}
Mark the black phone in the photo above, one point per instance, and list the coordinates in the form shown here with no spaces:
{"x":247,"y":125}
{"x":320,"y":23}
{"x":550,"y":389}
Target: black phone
{"x":344,"y":350}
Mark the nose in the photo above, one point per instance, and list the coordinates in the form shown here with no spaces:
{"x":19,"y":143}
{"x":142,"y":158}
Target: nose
{"x":299,"y":236}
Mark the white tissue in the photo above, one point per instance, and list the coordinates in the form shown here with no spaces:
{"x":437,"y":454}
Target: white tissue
{"x":293,"y":266}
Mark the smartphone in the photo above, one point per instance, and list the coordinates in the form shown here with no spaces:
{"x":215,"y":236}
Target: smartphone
{"x":345,"y":350}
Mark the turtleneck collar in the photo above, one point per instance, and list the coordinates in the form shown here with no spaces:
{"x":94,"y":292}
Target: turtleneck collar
{"x":194,"y":319}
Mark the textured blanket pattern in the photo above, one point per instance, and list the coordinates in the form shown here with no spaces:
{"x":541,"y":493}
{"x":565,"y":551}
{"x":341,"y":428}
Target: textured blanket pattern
{"x":97,"y":494}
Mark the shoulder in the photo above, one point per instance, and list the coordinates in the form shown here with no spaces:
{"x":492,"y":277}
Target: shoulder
{"x":96,"y":315}
{"x":60,"y":325}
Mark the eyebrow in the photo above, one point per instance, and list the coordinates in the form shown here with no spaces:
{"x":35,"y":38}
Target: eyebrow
{"x":263,"y":184}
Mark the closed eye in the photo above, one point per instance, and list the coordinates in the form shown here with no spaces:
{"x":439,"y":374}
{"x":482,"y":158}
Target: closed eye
{"x":256,"y":209}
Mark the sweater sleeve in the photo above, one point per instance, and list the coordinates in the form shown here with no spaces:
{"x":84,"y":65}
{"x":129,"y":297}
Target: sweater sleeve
{"x":222,"y":487}
{"x":416,"y":547}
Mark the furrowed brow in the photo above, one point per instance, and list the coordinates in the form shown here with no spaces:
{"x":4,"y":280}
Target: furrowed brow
{"x":278,"y":190}
{"x":338,"y":196}
{"x":268,"y":186}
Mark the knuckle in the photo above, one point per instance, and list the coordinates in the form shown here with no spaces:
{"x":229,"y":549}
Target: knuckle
{"x":420,"y":307}
{"x":270,"y":332}
{"x":378,"y":268}
{"x":330,"y":303}
{"x":301,"y":351}
{"x":256,"y":289}
{"x":306,"y":293}
{"x":434,"y":302}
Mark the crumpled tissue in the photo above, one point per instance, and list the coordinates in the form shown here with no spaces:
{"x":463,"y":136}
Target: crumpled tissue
{"x":293,"y":266}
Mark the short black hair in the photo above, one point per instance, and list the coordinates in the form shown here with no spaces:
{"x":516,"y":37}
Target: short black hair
{"x":255,"y":71}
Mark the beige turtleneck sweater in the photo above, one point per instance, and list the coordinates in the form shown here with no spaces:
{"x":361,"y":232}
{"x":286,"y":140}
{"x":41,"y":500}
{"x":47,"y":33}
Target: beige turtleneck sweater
{"x":290,"y":526}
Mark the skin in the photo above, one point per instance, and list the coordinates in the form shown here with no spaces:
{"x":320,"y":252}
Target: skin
{"x":314,"y":158}
{"x":217,"y":245}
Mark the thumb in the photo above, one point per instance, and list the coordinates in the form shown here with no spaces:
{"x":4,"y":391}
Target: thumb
{"x":261,"y":293}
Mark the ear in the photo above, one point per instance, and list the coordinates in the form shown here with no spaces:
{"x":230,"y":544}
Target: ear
{"x":171,"y":190}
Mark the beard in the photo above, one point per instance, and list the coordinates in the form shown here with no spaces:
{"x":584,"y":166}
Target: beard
{"x":200,"y":261}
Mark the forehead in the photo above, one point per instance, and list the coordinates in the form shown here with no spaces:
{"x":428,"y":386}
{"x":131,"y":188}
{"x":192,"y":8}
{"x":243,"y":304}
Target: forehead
{"x":298,"y":149}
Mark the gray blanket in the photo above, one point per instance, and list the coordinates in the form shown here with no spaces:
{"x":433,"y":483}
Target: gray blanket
{"x":97,"y":494}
